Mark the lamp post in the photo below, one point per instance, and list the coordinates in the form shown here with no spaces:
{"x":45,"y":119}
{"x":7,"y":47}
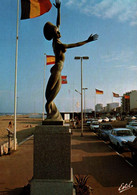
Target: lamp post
{"x":44,"y":88}
{"x":84,"y":102}
{"x":81,"y":58}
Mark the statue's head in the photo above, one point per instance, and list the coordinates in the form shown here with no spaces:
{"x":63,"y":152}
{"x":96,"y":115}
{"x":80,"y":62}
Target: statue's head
{"x":49,"y":30}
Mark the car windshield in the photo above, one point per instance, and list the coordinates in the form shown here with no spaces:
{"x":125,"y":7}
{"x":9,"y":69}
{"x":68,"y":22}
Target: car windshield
{"x":124,"y":133}
{"x":95,"y":123}
{"x":134,"y":124}
{"x":106,"y":127}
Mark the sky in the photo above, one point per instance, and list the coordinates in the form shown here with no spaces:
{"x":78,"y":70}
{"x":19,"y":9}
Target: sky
{"x":112,"y":64}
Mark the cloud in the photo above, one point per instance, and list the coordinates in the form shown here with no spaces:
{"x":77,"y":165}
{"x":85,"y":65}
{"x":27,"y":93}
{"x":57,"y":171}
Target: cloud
{"x":122,"y":56}
{"x":132,"y":67}
{"x":124,"y":11}
{"x":127,"y":67}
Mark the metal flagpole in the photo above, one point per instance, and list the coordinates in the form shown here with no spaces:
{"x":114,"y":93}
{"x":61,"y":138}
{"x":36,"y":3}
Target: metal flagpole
{"x":44,"y":85}
{"x":15,"y":86}
{"x":81,"y":99}
{"x":95,"y":103}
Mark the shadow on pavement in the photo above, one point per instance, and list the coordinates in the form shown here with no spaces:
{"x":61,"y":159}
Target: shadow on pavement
{"x":94,"y":147}
{"x":109,"y":171}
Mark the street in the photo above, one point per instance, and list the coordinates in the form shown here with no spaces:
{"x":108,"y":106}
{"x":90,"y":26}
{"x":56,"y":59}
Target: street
{"x":107,"y":169}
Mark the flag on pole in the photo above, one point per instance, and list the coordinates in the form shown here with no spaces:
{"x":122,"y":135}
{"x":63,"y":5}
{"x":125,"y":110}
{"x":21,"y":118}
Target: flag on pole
{"x":50,"y":59}
{"x":126,"y":96}
{"x":64,"y":79}
{"x":99,"y":92}
{"x":115,"y":95}
{"x":34,"y":8}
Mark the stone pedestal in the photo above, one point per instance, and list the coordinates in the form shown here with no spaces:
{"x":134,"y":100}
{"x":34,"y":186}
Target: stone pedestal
{"x":52,"y":159}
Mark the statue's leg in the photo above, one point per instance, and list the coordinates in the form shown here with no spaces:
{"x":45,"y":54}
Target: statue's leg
{"x":53,"y":87}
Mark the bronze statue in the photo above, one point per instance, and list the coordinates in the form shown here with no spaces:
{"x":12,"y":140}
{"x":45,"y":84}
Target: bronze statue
{"x":54,"y":84}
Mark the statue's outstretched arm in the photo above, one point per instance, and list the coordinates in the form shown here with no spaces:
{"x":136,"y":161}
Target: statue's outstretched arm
{"x":91,"y":38}
{"x":57,"y":5}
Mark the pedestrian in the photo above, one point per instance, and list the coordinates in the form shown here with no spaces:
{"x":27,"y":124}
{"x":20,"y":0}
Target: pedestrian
{"x":10,"y":124}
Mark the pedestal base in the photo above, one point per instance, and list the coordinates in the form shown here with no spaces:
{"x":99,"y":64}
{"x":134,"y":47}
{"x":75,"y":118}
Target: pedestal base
{"x":52,"y":160}
{"x":52,"y":122}
{"x":52,"y":187}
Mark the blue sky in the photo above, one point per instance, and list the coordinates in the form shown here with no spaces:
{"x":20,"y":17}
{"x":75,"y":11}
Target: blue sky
{"x":112,"y":64}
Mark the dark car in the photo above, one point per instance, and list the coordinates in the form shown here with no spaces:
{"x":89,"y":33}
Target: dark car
{"x":104,"y":130}
{"x":133,"y":148}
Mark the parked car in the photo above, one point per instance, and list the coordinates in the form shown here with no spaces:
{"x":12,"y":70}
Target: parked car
{"x":88,"y":122}
{"x":133,"y":126}
{"x":112,"y":119}
{"x":99,"y":120}
{"x":94,"y":126}
{"x":105,"y":119}
{"x":104,"y":130}
{"x":120,"y":136}
{"x":133,"y":148}
{"x":130,"y":118}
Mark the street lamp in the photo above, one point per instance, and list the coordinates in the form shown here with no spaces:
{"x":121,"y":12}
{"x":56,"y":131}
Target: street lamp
{"x":77,"y":91}
{"x":81,"y":58}
{"x":43,"y":117}
{"x":84,"y":103}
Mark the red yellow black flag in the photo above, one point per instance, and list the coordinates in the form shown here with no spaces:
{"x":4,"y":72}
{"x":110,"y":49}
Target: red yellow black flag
{"x":34,"y":8}
{"x":99,"y":92}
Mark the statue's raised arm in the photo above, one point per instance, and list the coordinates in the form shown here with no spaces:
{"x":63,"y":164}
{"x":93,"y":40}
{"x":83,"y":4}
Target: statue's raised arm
{"x":57,"y":5}
{"x":91,"y":38}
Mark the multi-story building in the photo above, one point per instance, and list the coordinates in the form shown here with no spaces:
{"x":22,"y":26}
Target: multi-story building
{"x":133,"y":100}
{"x":99,"y":107}
{"x":129,"y":101}
{"x":112,"y":106}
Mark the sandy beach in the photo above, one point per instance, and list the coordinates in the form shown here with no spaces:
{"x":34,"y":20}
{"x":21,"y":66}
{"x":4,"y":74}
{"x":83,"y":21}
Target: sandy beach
{"x":24,"y":127}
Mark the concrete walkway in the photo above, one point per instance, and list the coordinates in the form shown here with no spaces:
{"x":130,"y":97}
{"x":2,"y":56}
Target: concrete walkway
{"x":90,"y":156}
{"x":16,"y":169}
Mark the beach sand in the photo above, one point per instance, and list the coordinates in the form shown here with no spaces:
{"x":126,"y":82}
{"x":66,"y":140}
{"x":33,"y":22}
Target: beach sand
{"x":24,"y":126}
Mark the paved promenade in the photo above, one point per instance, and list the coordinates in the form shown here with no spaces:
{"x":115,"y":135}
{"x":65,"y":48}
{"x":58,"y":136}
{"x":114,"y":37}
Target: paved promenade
{"x":90,"y":156}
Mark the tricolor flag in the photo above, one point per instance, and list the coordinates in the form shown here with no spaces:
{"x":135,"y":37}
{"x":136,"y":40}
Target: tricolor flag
{"x":34,"y":8}
{"x":64,"y":79}
{"x":50,"y":59}
{"x":99,"y":91}
{"x":126,"y":96}
{"x":115,"y":95}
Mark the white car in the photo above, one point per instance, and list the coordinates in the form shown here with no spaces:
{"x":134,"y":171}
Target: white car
{"x":112,"y":119}
{"x":99,"y":120}
{"x":120,"y":136}
{"x":94,"y":126}
{"x":133,"y":126}
{"x":105,"y":119}
{"x":88,"y":122}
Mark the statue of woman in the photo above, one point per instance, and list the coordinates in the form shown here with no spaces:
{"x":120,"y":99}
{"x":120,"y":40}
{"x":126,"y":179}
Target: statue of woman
{"x":54,"y":84}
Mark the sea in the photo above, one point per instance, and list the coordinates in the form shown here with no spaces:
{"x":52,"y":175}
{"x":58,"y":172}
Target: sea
{"x":30,"y":115}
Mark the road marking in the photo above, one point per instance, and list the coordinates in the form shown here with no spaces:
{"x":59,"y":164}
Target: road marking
{"x":129,"y":163}
{"x":118,"y":154}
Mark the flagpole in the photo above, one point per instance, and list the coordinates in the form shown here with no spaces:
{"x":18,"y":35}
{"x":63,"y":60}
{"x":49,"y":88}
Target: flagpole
{"x":15,"y":86}
{"x":44,"y":86}
{"x":95,"y":103}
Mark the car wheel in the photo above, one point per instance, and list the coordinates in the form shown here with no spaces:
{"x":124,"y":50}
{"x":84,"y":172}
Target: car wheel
{"x":111,"y":143}
{"x":134,"y":132}
{"x":99,"y":136}
{"x":134,"y":155}
{"x":119,"y":148}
